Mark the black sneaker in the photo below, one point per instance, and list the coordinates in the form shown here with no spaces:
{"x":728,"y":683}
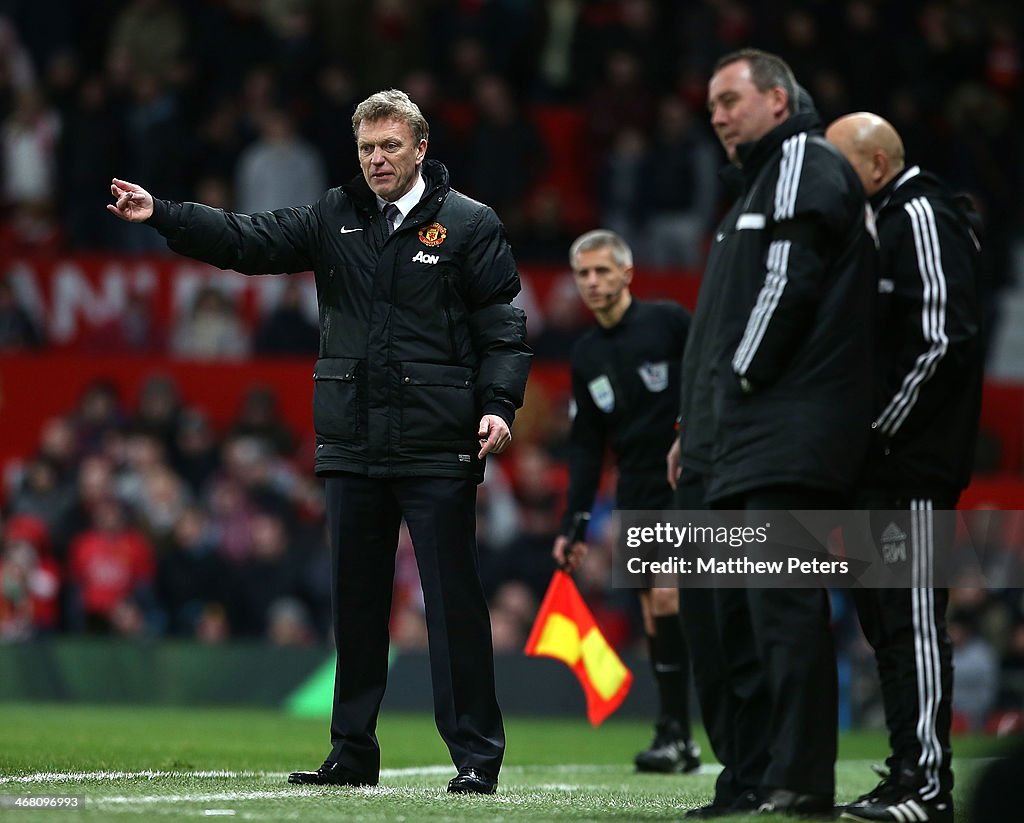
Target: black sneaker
{"x":888,"y":787}
{"x":910,"y":807}
{"x":670,"y":752}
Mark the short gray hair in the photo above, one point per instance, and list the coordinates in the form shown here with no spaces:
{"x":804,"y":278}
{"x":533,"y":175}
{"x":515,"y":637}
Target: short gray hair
{"x":622,"y":254}
{"x":392,"y":104}
{"x":767,"y":71}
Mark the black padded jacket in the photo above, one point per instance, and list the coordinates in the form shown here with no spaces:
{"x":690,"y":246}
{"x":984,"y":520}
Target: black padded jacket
{"x":418,"y":337}
{"x":777,"y":375}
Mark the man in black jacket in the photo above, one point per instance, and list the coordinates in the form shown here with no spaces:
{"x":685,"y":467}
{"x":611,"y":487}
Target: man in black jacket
{"x":929,"y":362}
{"x":625,"y":381}
{"x":776,"y":390}
{"x":423,"y":362}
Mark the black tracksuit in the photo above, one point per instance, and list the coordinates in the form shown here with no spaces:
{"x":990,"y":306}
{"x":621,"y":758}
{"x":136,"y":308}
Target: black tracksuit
{"x":776,"y":405}
{"x":929,"y":363}
{"x":625,"y":385}
{"x":417,"y":341}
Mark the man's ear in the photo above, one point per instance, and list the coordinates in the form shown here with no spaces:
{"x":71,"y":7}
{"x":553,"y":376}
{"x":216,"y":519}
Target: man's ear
{"x":879,"y":167}
{"x":779,"y":101}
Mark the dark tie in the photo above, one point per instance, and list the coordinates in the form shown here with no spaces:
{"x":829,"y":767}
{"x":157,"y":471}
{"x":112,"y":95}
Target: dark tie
{"x":392,"y":213}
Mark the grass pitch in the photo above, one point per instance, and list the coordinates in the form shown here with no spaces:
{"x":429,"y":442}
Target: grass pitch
{"x":156,"y":764}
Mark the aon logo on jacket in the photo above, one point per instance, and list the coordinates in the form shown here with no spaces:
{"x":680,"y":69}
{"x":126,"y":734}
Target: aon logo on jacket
{"x":423,"y":257}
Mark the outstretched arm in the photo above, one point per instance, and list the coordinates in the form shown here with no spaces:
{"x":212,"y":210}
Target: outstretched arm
{"x":134,"y":203}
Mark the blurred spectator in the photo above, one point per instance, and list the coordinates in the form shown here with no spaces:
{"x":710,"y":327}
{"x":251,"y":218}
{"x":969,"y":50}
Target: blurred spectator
{"x":544,"y":235}
{"x":513,"y":609}
{"x":95,"y":483}
{"x":331,"y":121}
{"x":17,"y":71}
{"x":215,"y":150}
{"x":228,"y":38}
{"x":294,"y":51}
{"x":30,"y":140}
{"x":1011,"y":674}
{"x":621,"y":185}
{"x":143,"y":455}
{"x":18,"y":331}
{"x":29,"y":580}
{"x":57,"y":444}
{"x":467,"y":62}
{"x":99,"y":409}
{"x":212,"y":330}
{"x":564,"y":320}
{"x":264,"y":479}
{"x":156,"y":148}
{"x":157,"y":410}
{"x":623,"y":100}
{"x":163,"y":499}
{"x":89,"y":150}
{"x":422,"y":88}
{"x":505,"y":153}
{"x":278,"y":170}
{"x":289,"y":623}
{"x":287,"y":328}
{"x":197,"y":450}
{"x":40,"y":492}
{"x":231,"y":517}
{"x":191,"y":575}
{"x":111,"y":570}
{"x":260,"y":418}
{"x":148,"y":37}
{"x":265,"y":576}
{"x":134,"y":329}
{"x":680,"y":187}
{"x":555,"y":35}
{"x":977,"y":671}
{"x":393,"y":43}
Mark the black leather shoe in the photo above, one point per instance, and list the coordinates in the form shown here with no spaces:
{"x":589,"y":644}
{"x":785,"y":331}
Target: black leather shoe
{"x":793,"y":804}
{"x":330,"y":774}
{"x":744,"y":804}
{"x":470,"y":780}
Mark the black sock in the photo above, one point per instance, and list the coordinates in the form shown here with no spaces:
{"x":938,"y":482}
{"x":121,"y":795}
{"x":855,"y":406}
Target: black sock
{"x":670,"y":663}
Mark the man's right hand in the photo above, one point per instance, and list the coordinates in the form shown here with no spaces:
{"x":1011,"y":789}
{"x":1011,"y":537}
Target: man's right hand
{"x":566,"y":556}
{"x":134,"y":203}
{"x":673,"y":464}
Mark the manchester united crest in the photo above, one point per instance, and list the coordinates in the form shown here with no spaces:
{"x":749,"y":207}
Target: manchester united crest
{"x":433,"y":235}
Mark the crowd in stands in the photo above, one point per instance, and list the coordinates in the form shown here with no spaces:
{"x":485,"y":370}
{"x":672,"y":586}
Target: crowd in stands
{"x":137,"y":517}
{"x":560,"y":114}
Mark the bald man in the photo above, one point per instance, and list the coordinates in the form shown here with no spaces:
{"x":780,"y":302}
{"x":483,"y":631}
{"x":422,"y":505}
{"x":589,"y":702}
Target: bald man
{"x":929,"y":373}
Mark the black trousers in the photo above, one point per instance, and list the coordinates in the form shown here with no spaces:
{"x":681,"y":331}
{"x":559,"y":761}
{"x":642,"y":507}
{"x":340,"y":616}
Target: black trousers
{"x":727,"y":673}
{"x":794,"y":644}
{"x":906,"y":627}
{"x":364,"y":515}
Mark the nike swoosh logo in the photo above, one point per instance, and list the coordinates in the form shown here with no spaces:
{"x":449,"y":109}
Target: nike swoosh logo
{"x":343,"y":230}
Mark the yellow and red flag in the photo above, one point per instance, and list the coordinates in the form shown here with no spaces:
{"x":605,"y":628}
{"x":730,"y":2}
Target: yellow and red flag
{"x":565,"y":630}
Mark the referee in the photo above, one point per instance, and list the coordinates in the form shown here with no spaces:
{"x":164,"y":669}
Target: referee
{"x":929,"y":368}
{"x":625,"y":382}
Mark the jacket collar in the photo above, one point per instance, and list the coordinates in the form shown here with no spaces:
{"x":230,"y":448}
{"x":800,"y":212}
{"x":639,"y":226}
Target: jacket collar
{"x":755,"y":154}
{"x":880,"y":199}
{"x":434,"y":173}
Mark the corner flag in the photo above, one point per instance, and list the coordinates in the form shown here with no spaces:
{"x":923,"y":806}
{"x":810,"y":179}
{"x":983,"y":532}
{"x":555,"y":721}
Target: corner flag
{"x":565,"y":630}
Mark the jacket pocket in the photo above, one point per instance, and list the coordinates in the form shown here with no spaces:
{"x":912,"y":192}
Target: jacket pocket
{"x":438,"y":404}
{"x":336,"y":398}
